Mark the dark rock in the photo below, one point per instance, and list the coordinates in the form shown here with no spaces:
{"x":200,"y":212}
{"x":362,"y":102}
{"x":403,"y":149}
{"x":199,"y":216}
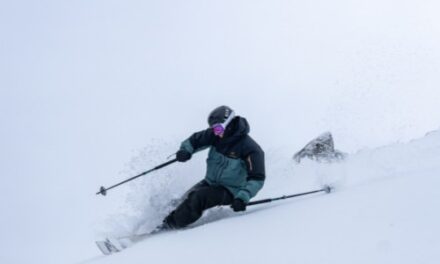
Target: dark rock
{"x":321,"y":149}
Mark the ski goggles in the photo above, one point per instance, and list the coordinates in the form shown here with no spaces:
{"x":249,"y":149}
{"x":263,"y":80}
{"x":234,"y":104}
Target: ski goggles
{"x":219,"y":128}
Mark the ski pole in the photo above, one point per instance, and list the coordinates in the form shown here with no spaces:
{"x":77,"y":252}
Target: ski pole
{"x":326,"y":189}
{"x":103,"y":190}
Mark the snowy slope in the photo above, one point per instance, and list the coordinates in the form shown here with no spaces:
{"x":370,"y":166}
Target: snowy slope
{"x":384,"y":210}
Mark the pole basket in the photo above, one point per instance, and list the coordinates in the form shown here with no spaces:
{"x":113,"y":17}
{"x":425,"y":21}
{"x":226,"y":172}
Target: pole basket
{"x":102,"y":191}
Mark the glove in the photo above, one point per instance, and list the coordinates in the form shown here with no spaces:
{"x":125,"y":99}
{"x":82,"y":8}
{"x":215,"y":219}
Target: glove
{"x":183,"y":155}
{"x":238,"y":205}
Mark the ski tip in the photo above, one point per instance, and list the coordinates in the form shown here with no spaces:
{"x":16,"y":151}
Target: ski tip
{"x":103,"y":247}
{"x":110,"y":245}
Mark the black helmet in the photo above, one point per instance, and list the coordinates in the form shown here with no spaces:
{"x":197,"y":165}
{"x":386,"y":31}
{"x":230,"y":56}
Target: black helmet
{"x":221,"y":115}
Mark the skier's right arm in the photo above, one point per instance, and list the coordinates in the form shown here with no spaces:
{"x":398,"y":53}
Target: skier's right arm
{"x":198,"y":141}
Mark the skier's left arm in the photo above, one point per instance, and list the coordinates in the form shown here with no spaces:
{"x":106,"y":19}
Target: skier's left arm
{"x":256,"y":175}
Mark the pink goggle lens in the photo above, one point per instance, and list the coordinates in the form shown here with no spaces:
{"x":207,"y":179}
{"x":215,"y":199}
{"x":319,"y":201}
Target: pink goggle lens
{"x":218,"y":129}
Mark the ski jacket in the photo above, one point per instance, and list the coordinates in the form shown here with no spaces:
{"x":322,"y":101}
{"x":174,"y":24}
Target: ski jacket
{"x":235,"y":161}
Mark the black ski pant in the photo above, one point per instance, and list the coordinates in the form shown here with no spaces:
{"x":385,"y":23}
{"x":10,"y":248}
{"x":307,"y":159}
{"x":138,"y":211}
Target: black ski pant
{"x":200,"y":197}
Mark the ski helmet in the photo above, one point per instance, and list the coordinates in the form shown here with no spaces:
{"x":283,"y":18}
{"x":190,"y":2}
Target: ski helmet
{"x":220,"y":118}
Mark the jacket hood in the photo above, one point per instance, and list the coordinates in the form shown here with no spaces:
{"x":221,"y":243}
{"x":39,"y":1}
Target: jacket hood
{"x":241,"y":126}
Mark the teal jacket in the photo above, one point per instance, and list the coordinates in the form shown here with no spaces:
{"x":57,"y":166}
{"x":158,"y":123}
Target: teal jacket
{"x":235,"y":161}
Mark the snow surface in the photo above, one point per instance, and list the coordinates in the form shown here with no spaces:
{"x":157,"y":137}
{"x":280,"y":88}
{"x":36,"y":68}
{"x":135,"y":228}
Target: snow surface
{"x":93,"y":92}
{"x":384,"y":210}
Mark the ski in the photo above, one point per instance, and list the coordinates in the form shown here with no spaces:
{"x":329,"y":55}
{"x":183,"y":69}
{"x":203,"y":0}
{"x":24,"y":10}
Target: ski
{"x":111,"y":245}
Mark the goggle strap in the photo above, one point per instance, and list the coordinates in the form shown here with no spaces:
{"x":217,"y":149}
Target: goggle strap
{"x":228,"y":120}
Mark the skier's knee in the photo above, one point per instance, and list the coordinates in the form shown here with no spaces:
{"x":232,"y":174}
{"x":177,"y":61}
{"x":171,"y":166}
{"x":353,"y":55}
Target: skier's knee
{"x":198,"y":198}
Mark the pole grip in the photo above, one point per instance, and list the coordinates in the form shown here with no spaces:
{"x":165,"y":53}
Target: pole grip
{"x":165,"y":164}
{"x":260,"y":202}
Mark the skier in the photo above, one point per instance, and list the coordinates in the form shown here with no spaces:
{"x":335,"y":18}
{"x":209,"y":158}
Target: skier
{"x":235,"y":168}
